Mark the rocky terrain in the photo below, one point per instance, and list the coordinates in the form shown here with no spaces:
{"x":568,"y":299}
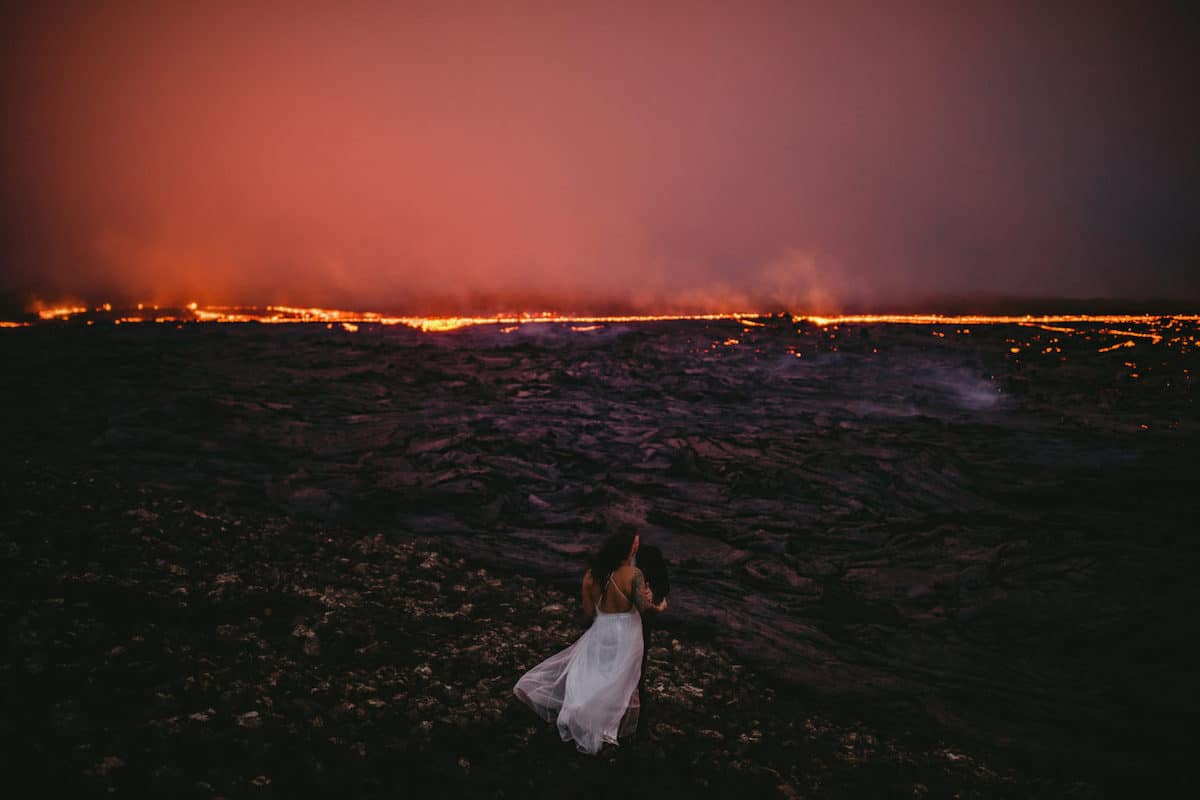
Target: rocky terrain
{"x":982,"y":533}
{"x":157,"y":649}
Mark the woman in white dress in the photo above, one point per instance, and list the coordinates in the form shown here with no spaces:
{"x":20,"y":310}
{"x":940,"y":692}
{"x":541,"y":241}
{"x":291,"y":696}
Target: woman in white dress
{"x":590,"y":689}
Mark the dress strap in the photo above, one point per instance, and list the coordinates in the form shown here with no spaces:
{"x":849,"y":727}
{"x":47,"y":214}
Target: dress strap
{"x":618,"y":588}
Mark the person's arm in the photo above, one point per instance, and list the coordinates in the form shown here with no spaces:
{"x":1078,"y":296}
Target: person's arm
{"x":589,"y":605}
{"x":642,"y":597}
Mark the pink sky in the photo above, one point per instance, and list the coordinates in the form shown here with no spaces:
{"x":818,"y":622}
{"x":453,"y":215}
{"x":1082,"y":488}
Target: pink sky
{"x":700,"y":156}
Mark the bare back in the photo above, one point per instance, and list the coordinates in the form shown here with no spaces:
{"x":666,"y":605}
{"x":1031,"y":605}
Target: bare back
{"x":616,"y":599}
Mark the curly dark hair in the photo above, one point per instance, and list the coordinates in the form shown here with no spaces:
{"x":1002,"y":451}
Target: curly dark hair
{"x":604,"y":561}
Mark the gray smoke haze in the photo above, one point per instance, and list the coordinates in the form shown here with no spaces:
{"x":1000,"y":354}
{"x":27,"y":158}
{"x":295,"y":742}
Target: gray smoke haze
{"x":697,"y":156}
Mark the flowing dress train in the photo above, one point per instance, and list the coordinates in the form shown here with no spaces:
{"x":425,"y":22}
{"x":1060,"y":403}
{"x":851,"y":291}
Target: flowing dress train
{"x":590,"y":688}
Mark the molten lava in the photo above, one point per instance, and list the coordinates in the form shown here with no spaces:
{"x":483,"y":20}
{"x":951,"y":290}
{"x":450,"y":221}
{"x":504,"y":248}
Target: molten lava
{"x":1156,"y":328}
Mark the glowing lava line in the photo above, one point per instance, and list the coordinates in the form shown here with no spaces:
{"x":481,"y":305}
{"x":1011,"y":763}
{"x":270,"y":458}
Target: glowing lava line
{"x":937,"y":319}
{"x":349,"y":320}
{"x":292,"y":314}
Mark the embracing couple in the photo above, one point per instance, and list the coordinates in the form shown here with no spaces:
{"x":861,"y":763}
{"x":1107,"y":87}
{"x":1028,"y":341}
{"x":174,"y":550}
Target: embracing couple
{"x":591,"y":689}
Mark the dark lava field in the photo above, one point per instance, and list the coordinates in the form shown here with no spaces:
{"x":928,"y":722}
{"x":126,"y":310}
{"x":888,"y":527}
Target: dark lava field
{"x":989,"y":530}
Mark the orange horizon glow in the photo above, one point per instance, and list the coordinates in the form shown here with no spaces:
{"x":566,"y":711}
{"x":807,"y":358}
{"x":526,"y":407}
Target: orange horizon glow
{"x":349,"y":320}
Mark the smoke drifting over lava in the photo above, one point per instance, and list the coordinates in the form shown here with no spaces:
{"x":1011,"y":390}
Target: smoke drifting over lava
{"x":600,"y":157}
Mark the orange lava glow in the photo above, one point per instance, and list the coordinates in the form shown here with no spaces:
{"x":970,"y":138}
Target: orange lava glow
{"x":293,"y":314}
{"x":1040,"y":321}
{"x":435,"y":324}
{"x":60,"y":312}
{"x":1154,"y":337}
{"x":193,"y":312}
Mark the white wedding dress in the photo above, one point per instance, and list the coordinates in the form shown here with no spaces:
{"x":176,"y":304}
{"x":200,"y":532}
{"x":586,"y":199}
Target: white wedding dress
{"x":590,"y":688}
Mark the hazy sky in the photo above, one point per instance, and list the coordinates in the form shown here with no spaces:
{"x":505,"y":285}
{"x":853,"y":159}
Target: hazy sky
{"x":694,"y":155}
